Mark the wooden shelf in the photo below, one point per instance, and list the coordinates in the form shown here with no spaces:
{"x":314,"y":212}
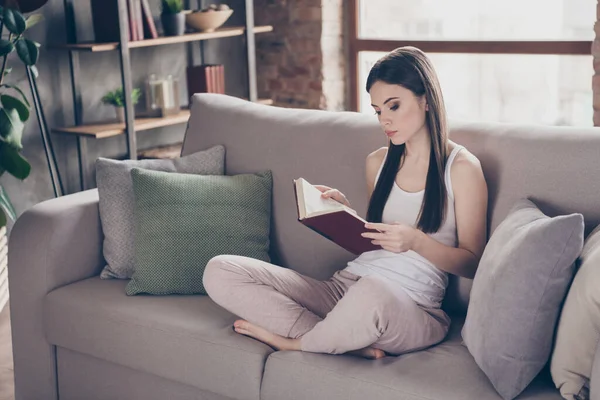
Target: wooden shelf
{"x":101,"y":131}
{"x":161,"y":152}
{"x":105,"y":130}
{"x":188,"y":37}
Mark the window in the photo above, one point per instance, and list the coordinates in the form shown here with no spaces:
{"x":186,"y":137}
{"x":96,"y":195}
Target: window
{"x":497,"y":61}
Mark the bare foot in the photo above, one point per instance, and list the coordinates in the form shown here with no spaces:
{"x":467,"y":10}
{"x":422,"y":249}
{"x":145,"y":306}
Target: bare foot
{"x":277,"y":342}
{"x":368,"y":352}
{"x":282,"y":343}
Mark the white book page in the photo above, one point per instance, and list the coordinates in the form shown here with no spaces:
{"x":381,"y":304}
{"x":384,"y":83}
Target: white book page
{"x":314,"y":203}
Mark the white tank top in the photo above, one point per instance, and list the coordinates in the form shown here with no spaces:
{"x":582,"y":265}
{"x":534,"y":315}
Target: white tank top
{"x":424,"y":282}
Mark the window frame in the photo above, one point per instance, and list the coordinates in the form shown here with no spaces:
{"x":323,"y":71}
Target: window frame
{"x":356,"y":45}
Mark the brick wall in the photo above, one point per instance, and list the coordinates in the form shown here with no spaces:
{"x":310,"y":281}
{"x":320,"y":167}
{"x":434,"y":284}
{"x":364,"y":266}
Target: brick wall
{"x":596,"y":78}
{"x":302,"y":62}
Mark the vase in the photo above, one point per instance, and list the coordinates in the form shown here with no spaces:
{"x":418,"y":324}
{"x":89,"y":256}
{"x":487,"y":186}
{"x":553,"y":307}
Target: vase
{"x":120,"y":114}
{"x":173,"y":24}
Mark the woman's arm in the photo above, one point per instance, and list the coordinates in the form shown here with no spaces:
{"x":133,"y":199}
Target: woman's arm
{"x":470,"y":206}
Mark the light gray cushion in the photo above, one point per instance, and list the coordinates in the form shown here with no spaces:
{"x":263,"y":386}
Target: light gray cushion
{"x":186,"y":339}
{"x":521,"y":281}
{"x":443,"y":372}
{"x":115,"y":190}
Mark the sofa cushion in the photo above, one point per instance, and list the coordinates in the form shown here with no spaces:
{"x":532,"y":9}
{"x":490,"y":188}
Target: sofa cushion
{"x":521,"y":281}
{"x":115,"y":191}
{"x":184,"y":220}
{"x":186,"y":339}
{"x":443,"y":372}
{"x":578,"y":330}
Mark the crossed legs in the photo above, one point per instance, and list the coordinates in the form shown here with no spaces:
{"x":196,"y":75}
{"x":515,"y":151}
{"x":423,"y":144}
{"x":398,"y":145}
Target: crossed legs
{"x":346,"y":314}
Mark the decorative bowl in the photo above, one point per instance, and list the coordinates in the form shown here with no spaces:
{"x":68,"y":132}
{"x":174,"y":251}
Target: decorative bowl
{"x":207,"y":21}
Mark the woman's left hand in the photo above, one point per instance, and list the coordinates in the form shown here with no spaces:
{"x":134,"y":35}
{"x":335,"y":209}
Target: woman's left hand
{"x":395,"y":237}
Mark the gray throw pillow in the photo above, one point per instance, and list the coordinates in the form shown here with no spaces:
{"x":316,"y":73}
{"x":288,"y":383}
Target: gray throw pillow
{"x":517,"y":292}
{"x":183,"y":220}
{"x":116,"y":201}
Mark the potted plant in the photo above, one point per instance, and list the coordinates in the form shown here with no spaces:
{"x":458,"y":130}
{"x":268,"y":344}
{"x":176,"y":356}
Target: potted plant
{"x":14,"y":106}
{"x":116,"y":98}
{"x":172,"y":17}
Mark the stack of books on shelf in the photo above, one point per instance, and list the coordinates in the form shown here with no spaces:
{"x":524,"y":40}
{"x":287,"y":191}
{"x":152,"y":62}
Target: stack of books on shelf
{"x":207,"y":78}
{"x":105,"y":18}
{"x":3,"y":268}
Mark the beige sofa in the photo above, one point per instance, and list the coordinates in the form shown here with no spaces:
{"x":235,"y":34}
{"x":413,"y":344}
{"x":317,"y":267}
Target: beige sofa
{"x":79,"y":337}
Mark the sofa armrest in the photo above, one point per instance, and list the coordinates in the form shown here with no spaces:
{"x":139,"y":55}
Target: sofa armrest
{"x":55,"y":243}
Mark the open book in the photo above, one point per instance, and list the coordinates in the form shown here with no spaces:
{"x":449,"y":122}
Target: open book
{"x":333,"y":220}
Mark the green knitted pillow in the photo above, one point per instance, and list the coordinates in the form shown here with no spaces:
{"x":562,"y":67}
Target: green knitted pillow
{"x":183,"y":220}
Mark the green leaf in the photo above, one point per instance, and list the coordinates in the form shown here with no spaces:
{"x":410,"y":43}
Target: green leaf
{"x":18,"y":90}
{"x":28,"y":51}
{"x":33,"y":20}
{"x":7,"y":71}
{"x":14,"y":163}
{"x":10,"y":102}
{"x":2,"y":218}
{"x":6,"y":47}
{"x":171,"y":6}
{"x":14,"y":21}
{"x":11,"y":128}
{"x":6,"y":207}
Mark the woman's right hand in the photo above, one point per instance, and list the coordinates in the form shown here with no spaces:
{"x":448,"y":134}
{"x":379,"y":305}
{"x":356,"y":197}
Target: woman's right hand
{"x":331,"y":193}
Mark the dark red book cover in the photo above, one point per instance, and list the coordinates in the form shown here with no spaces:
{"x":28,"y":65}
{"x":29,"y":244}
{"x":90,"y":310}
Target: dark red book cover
{"x":197,"y":79}
{"x":341,"y":227}
{"x":133,"y":35}
{"x":344,"y":229}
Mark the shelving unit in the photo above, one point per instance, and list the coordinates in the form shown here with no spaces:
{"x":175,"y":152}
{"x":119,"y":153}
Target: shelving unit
{"x":101,"y":131}
{"x":188,"y":37}
{"x":132,"y":125}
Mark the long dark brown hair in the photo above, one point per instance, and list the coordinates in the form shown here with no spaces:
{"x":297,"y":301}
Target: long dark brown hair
{"x":411,"y":68}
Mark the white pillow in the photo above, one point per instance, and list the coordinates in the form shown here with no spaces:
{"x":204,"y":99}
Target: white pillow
{"x":579,"y":326}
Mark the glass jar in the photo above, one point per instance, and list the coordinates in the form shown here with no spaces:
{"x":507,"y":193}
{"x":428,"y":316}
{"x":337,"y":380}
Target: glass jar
{"x":162,"y":97}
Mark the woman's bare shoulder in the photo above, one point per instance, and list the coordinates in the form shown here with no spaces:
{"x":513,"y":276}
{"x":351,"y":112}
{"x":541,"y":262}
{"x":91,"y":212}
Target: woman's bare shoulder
{"x":465,"y":160}
{"x":374,"y":160}
{"x":467,"y":172}
{"x":376,"y":157}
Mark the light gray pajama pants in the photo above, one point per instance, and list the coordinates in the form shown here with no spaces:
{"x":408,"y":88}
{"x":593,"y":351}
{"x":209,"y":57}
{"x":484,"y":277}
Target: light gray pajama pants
{"x":342,"y":314}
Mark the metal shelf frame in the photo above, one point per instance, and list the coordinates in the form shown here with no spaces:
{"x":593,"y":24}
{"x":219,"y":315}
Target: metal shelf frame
{"x":195,"y":55}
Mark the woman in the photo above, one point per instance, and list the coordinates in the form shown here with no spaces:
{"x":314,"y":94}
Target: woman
{"x":428,"y":199}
